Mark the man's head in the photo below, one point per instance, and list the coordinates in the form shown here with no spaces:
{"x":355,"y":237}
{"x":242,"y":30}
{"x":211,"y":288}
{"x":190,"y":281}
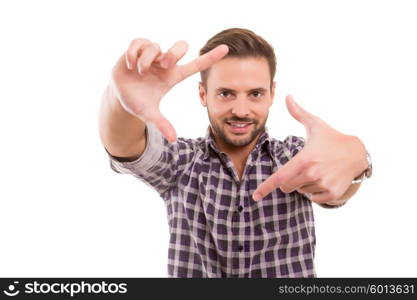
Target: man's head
{"x":239,"y":89}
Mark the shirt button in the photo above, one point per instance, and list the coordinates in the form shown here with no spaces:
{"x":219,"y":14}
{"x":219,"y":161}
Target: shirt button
{"x":240,"y":248}
{"x":240,"y":208}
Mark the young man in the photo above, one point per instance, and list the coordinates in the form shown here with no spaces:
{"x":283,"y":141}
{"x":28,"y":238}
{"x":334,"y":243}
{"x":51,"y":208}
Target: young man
{"x":212,"y":186}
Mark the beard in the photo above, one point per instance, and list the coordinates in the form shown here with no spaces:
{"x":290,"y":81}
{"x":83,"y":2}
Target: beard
{"x":219,"y":129}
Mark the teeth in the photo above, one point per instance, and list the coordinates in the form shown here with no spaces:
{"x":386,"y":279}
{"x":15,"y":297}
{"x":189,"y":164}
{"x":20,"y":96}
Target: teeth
{"x":239,"y":125}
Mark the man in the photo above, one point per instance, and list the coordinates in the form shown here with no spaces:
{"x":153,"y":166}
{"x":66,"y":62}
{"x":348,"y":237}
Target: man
{"x":212,"y":187}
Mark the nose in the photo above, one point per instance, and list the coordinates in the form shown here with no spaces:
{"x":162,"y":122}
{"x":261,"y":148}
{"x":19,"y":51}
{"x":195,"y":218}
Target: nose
{"x":240,"y":108}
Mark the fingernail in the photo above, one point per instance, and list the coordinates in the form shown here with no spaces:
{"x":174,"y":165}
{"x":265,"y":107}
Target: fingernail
{"x":139,"y":70}
{"x":256,"y":196}
{"x":128,"y":65}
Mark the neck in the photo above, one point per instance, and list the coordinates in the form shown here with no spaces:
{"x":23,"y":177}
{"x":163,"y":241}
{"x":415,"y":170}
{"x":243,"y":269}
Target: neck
{"x":237,"y":154}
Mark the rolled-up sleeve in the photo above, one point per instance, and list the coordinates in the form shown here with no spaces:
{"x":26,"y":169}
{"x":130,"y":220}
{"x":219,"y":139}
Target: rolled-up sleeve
{"x":159,"y":164}
{"x":149,"y":157}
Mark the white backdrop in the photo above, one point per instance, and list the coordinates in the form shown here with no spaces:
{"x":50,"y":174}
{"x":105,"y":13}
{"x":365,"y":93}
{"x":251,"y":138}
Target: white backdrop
{"x":64,"y":212}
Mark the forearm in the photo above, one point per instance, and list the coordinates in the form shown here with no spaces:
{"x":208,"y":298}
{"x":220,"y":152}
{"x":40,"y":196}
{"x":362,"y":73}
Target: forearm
{"x":122,"y":134}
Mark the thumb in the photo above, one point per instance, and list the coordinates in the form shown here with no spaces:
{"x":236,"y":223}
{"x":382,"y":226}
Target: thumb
{"x":164,"y":126}
{"x":299,"y":113}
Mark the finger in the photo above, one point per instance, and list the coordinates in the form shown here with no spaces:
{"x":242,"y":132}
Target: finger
{"x":299,"y":113}
{"x":285,"y":174}
{"x":270,"y":184}
{"x":311,"y":188}
{"x":323,"y":197}
{"x":289,"y":170}
{"x":174,"y":54}
{"x":292,"y":169}
{"x":160,"y":57}
{"x":133,"y":52}
{"x":266,"y":187}
{"x":149,"y":53}
{"x":204,"y":61}
{"x":333,"y":194}
{"x":305,"y":177}
{"x":163,"y":125}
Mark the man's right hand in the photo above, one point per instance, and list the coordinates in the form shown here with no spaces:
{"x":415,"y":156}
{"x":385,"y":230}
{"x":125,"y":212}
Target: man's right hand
{"x":143,"y":75}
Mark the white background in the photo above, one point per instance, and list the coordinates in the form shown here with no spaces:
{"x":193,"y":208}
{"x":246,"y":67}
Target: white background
{"x":64,"y":212}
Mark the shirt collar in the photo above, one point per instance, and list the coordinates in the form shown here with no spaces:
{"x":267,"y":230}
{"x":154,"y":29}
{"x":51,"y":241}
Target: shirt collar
{"x":263,"y":140}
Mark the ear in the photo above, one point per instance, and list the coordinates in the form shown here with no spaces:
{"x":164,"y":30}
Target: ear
{"x":203,"y":94}
{"x":273,"y":91}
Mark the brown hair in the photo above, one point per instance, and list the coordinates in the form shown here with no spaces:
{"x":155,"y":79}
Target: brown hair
{"x":242,"y":43}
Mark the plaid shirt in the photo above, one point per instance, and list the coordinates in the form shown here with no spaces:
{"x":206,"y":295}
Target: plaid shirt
{"x":216,"y":228}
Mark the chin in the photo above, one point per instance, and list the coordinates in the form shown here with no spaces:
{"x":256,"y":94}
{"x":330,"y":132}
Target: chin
{"x":240,"y":140}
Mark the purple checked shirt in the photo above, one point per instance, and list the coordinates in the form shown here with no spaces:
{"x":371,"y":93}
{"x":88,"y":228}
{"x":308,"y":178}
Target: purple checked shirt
{"x":216,"y":228}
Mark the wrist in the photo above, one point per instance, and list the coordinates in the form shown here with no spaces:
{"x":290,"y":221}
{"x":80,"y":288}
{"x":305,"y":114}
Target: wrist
{"x":366,"y":169}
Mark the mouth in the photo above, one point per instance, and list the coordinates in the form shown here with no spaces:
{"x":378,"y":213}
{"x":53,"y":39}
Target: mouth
{"x":239,"y":127}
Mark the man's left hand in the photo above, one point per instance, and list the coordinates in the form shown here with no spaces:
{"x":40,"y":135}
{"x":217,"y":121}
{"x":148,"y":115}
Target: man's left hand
{"x":324,"y":169}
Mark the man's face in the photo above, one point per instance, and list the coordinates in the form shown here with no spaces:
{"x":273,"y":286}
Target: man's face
{"x":238,"y":98}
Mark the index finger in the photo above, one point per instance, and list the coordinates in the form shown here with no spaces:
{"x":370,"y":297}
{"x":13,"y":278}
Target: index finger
{"x":204,"y":61}
{"x":286,"y":173}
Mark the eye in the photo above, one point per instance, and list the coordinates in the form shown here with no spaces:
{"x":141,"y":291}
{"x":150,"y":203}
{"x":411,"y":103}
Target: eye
{"x":222,"y":94}
{"x":257,"y":94}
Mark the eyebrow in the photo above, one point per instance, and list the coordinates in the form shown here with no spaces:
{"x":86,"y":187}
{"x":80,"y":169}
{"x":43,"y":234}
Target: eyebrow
{"x":223,"y":89}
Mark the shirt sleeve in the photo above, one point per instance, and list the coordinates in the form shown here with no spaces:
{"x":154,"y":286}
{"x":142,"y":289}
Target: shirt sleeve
{"x":160,"y":163}
{"x":295,"y":144}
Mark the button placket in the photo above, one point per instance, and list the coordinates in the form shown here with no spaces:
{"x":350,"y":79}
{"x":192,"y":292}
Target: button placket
{"x":241,"y":204}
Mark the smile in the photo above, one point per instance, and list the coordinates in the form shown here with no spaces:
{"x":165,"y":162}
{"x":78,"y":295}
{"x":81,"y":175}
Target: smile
{"x":239,"y":127}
